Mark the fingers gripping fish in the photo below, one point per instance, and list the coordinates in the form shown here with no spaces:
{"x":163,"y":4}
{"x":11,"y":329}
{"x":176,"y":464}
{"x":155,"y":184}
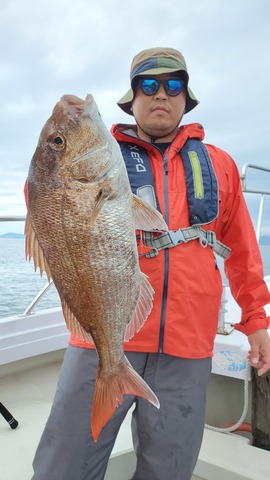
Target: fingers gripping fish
{"x":80,"y":230}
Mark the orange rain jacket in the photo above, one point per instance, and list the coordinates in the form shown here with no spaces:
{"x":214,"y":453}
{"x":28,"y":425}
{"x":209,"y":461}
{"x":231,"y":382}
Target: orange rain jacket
{"x":185,"y":278}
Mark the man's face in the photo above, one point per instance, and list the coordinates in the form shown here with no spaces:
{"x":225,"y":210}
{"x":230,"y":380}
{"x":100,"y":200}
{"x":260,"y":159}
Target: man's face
{"x":158,"y":115}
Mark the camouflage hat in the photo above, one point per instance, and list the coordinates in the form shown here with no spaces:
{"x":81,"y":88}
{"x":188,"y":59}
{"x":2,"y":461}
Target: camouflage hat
{"x":155,"y":61}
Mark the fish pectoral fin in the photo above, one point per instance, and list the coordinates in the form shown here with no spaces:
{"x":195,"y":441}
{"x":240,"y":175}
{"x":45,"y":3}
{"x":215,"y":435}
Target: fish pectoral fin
{"x":142,"y":310}
{"x":33,"y":249}
{"x":109,"y":393}
{"x":147,"y":217}
{"x":73,"y":325}
{"x":101,"y":198}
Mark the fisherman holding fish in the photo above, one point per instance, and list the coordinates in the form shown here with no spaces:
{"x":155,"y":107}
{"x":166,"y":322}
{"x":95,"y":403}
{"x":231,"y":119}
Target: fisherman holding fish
{"x":128,"y":226}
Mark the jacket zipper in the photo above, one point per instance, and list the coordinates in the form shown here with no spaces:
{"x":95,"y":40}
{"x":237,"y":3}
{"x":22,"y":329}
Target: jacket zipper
{"x":166,"y":252}
{"x":166,"y":260}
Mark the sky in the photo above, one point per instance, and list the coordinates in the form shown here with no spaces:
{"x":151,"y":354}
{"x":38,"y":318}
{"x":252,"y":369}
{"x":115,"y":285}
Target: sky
{"x":54,"y":47}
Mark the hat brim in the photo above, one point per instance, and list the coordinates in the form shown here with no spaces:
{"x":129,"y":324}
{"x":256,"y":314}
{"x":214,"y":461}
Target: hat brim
{"x":125,"y":102}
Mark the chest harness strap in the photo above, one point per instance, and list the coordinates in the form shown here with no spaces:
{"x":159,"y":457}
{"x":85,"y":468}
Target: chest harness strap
{"x":172,"y":238}
{"x":202,"y":196}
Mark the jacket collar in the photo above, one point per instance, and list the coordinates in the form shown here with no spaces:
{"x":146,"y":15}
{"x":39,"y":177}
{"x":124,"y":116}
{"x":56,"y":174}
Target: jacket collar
{"x":123,"y":132}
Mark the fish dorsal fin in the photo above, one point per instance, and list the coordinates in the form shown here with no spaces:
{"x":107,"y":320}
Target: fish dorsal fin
{"x":147,"y":217}
{"x":33,"y":249}
{"x":143,"y":308}
{"x":74,"y":326}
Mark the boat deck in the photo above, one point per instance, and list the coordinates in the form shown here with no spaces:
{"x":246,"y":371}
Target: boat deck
{"x":27,"y":389}
{"x":27,"y":393}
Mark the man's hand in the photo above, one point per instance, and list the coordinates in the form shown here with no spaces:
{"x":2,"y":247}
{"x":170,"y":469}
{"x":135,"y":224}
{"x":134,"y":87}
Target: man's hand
{"x":259,"y":355}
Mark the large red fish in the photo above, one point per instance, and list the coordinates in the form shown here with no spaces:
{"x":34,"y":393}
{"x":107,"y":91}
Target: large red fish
{"x":80,"y":230}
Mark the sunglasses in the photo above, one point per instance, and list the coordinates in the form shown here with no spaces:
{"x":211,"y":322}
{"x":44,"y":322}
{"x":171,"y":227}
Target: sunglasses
{"x":150,"y":86}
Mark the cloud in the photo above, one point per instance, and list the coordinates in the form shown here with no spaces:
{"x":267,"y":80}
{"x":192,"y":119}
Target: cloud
{"x":55,"y":47}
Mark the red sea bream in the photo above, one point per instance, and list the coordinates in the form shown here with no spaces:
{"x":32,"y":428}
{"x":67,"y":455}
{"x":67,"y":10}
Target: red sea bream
{"x":80,"y":230}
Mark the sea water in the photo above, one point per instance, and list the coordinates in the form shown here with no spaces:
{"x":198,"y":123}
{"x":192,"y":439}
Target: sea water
{"x":20,"y":283}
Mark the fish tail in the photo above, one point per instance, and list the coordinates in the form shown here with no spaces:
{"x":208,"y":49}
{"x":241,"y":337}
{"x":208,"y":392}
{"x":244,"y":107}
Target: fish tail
{"x":109,"y":393}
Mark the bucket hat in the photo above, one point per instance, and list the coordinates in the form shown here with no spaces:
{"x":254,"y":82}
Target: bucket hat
{"x":155,"y":61}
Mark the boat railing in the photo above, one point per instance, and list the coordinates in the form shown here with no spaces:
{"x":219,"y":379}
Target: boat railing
{"x":12,"y":218}
{"x":261,"y":191}
{"x":37,"y":299}
{"x":247,"y":167}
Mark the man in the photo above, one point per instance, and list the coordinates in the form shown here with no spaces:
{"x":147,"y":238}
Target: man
{"x":198,"y":191}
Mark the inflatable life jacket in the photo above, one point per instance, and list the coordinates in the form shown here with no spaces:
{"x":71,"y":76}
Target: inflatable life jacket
{"x":202,"y":195}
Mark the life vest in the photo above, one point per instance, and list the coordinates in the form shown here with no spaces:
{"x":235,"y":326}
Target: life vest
{"x":202,"y":195}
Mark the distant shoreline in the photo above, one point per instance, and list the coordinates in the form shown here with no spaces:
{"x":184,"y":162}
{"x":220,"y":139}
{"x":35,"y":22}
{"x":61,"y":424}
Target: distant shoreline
{"x":12,"y":235}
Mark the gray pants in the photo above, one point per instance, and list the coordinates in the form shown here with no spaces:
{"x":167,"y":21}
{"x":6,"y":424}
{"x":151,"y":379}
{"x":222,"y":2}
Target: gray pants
{"x":166,"y":441}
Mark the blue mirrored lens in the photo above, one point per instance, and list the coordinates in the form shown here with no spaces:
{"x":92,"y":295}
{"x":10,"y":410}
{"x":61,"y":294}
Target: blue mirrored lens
{"x":150,"y":86}
{"x":173,"y":87}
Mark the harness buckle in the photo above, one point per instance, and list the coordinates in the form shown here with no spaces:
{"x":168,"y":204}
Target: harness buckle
{"x":207,"y":238}
{"x":176,"y":237}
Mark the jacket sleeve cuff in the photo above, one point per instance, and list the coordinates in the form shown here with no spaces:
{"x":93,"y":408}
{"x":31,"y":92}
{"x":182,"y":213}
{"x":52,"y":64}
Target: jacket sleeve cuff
{"x":252,"y":326}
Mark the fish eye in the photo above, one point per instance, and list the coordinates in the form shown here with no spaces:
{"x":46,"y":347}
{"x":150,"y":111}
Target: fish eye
{"x":57,"y":141}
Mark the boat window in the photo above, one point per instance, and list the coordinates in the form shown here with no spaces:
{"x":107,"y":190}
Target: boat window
{"x":263,"y":231}
{"x":262,"y":227}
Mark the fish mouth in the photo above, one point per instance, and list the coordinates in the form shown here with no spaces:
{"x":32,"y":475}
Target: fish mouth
{"x":79,"y":107}
{"x":96,"y":163}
